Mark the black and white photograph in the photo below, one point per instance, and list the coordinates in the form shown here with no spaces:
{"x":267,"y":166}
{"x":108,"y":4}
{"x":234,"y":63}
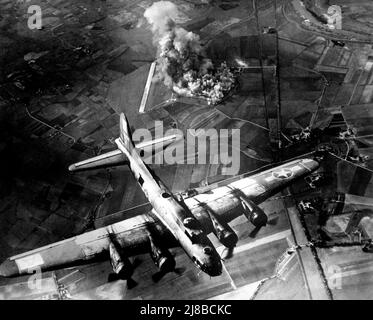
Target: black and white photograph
{"x":188,"y":150}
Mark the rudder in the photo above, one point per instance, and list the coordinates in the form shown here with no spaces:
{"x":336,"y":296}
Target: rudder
{"x":125,"y":133}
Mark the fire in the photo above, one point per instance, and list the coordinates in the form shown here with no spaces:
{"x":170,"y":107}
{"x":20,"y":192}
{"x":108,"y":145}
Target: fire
{"x":183,"y":65}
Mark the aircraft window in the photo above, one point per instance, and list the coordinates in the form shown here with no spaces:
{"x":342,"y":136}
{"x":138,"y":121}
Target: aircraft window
{"x":141,"y":180}
{"x":188,"y":235}
{"x":166,"y":195}
{"x":196,"y":261}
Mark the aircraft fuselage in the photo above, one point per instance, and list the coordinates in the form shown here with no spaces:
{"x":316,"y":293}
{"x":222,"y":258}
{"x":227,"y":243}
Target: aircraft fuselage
{"x":178,"y":219}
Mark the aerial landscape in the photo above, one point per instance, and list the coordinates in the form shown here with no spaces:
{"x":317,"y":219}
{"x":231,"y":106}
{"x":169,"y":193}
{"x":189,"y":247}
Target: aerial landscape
{"x":186,"y":149}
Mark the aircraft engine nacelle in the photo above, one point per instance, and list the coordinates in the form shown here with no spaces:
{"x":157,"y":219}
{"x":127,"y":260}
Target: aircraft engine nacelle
{"x":224,"y":232}
{"x":161,"y":257}
{"x":121,"y":264}
{"x":254,"y":214}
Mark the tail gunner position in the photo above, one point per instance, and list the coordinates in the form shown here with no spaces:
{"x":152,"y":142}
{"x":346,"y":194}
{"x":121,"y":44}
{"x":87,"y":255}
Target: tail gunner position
{"x":179,"y":220}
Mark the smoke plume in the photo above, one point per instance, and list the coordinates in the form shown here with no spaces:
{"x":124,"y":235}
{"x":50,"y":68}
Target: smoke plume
{"x":182,"y":63}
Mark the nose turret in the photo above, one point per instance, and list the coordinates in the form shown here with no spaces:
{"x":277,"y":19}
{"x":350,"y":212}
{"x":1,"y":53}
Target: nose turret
{"x":211,"y":262}
{"x":214,"y":269}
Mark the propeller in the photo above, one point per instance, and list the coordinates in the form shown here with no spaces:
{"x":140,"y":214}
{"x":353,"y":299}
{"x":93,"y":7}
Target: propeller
{"x":126,"y":270}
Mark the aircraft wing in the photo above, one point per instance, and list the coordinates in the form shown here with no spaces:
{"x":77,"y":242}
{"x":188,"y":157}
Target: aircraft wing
{"x":224,"y":199}
{"x":272,"y":181}
{"x":132,"y":235}
{"x":243,"y":195}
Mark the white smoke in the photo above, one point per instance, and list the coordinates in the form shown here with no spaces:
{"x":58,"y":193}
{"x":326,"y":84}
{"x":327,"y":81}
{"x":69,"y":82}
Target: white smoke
{"x":183,"y":65}
{"x":159,"y":14}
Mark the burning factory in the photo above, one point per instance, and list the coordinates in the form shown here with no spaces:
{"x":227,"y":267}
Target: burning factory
{"x":182,"y":63}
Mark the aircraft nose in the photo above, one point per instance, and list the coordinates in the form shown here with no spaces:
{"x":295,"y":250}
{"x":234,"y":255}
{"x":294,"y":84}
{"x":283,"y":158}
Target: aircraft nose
{"x":214,"y":269}
{"x":215,"y":272}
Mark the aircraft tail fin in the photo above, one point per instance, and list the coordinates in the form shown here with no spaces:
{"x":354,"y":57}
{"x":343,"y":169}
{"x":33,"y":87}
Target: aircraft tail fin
{"x":125,"y":133}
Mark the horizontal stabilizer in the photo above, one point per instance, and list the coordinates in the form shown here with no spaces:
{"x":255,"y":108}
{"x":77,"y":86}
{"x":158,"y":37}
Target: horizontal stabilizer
{"x":117,"y":158}
{"x":106,"y":160}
